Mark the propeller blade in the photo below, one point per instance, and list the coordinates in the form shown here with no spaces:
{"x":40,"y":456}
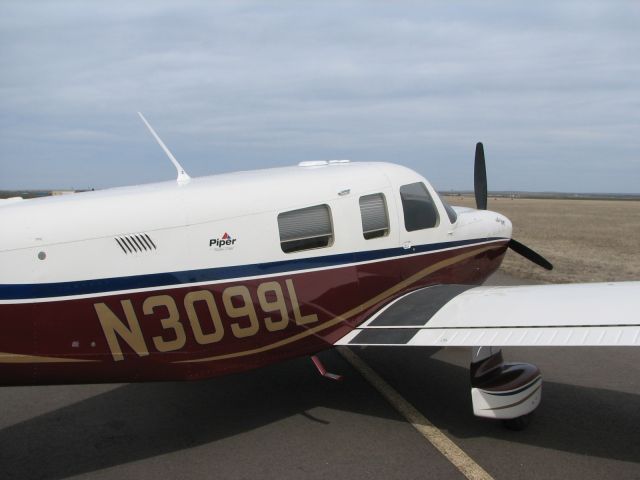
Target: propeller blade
{"x":480,"y":178}
{"x":529,"y":254}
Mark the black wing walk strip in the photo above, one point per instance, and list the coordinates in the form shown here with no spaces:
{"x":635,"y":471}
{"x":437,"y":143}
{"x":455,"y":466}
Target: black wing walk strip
{"x":407,"y":315}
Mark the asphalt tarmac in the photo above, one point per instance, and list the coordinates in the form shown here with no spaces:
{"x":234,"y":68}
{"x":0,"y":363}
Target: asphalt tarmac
{"x":285,"y":421}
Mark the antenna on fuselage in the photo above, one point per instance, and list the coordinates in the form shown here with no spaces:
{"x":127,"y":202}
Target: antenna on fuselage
{"x":183,"y":176}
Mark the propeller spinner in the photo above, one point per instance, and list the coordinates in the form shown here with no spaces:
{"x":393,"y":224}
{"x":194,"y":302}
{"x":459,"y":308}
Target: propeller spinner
{"x":480,"y":190}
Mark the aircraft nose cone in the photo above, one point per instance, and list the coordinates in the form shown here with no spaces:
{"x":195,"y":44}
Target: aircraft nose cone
{"x":499,"y":225}
{"x":506,"y":226}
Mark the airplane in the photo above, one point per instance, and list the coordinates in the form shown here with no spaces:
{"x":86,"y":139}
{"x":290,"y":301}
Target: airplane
{"x":199,"y":277}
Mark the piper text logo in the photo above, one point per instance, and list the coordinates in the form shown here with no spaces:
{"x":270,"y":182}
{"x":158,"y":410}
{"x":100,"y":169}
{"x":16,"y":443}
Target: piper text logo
{"x":225,"y":242}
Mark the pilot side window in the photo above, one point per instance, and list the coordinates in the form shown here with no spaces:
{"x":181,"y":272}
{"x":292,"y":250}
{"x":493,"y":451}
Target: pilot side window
{"x":417,"y":205}
{"x":375,"y":219}
{"x":305,"y":229}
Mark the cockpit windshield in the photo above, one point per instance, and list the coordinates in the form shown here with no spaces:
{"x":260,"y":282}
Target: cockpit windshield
{"x":451,"y":213}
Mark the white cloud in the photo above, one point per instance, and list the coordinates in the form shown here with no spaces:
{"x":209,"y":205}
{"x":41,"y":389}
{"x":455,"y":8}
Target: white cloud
{"x":264,"y":84}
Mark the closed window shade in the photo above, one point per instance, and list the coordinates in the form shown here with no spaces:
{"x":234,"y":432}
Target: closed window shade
{"x":375,"y":220}
{"x":305,"y":229}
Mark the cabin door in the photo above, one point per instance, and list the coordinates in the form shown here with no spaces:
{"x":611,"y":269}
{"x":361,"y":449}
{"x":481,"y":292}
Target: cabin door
{"x":420,"y":230}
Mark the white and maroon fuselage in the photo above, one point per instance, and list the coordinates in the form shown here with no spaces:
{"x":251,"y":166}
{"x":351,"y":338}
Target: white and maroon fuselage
{"x":170,"y":281}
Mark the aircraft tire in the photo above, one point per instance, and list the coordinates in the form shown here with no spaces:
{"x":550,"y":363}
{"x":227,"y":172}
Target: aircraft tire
{"x":519,"y":423}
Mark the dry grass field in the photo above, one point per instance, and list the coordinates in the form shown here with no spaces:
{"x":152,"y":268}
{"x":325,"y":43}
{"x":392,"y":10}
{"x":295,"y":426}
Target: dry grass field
{"x":585,"y":240}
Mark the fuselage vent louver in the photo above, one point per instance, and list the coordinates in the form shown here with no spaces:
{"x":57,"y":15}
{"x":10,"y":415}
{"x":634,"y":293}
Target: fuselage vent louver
{"x":137,"y":243}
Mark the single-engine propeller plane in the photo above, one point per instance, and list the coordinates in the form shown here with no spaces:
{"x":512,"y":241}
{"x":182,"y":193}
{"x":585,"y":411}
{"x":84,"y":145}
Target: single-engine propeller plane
{"x":200,"y":277}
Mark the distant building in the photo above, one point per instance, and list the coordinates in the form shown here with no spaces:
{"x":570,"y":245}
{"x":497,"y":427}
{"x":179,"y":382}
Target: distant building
{"x":62,"y":192}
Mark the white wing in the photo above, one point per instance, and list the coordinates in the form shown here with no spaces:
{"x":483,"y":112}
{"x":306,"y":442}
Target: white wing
{"x":10,"y":200}
{"x":553,"y":315}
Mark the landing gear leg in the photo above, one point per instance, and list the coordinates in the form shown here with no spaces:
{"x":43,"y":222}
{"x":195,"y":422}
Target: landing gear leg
{"x":506,"y":391}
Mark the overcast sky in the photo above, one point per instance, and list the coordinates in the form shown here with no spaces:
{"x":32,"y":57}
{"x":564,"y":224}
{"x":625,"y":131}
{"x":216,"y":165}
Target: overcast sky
{"x":552,"y":91}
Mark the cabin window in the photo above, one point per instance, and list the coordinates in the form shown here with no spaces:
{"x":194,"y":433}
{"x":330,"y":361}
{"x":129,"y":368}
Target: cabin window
{"x":305,"y":229}
{"x":375,"y":219}
{"x":418,"y":207}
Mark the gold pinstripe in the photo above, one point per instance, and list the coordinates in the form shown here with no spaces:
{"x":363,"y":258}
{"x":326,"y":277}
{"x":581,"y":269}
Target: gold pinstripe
{"x":354,"y":311}
{"x":19,"y":358}
{"x":16,"y":358}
